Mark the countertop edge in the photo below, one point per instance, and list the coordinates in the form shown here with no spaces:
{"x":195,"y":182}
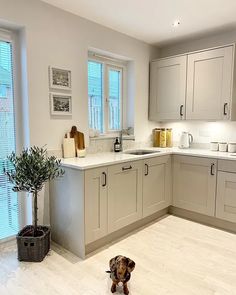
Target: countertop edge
{"x":128,"y":158}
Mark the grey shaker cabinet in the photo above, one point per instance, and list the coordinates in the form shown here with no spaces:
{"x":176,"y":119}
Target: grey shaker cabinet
{"x":157,"y":184}
{"x":194,"y":184}
{"x":167,"y":89}
{"x":95,"y":204}
{"x":124,"y":194}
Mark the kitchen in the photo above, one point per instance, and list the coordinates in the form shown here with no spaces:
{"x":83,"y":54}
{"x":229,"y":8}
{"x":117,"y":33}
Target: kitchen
{"x":107,"y":203}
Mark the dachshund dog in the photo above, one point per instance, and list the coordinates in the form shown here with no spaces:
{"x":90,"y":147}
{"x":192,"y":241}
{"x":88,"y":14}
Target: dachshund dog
{"x":120,"y":269}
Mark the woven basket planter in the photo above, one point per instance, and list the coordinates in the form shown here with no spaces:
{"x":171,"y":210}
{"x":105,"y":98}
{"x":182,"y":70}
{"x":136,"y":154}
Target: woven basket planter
{"x":30,"y":248}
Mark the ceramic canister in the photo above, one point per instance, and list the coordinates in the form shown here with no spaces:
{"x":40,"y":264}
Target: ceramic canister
{"x":222,"y":146}
{"x":232,"y":147}
{"x":214,"y":146}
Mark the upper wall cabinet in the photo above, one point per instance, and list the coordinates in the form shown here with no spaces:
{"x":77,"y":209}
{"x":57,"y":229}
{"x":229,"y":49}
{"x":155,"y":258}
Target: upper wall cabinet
{"x":194,"y":86}
{"x":167,"y":89}
{"x":209,"y":84}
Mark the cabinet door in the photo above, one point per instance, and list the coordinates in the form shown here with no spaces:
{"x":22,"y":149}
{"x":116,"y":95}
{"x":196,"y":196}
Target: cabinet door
{"x":124,"y":194}
{"x":156,"y":184}
{"x":168,"y":89}
{"x":226,"y":196}
{"x":194,"y":184}
{"x":209,"y":84}
{"x":95,"y":204}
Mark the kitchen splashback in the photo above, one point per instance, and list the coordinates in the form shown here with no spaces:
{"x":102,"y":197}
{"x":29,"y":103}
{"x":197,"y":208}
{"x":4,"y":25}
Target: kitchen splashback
{"x":204,"y":132}
{"x":106,"y":145}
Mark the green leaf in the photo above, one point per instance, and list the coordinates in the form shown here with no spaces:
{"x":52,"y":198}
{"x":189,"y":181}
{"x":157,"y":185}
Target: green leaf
{"x":32,"y":168}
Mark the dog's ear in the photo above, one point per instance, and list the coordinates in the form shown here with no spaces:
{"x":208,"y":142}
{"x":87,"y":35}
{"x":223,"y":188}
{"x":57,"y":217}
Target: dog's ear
{"x":112,"y":264}
{"x":130,"y":265}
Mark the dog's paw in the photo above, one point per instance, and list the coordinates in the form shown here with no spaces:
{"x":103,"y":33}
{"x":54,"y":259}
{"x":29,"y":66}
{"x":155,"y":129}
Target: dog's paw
{"x":126,"y":291}
{"x":113,"y":288}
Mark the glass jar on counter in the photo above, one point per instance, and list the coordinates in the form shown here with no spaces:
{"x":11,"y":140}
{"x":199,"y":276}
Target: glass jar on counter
{"x":169,"y":141}
{"x":163,"y":138}
{"x":156,"y":137}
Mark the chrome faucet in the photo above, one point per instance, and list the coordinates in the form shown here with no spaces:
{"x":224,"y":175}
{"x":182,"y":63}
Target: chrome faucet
{"x":123,"y":132}
{"x":121,"y":138}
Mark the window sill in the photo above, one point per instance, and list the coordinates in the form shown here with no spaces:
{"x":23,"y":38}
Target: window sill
{"x":112,"y":136}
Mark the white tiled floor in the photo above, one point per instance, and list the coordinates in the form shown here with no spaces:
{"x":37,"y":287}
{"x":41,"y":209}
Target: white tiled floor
{"x":173,"y":256}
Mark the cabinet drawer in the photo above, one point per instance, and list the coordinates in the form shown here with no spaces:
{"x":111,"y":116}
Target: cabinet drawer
{"x":227,"y":165}
{"x":226,"y":196}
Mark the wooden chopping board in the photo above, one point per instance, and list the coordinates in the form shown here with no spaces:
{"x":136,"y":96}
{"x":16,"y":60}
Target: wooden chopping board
{"x":78,"y":137}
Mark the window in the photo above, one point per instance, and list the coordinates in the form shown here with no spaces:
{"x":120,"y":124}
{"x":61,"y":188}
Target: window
{"x":105,"y":94}
{"x":9,"y":221}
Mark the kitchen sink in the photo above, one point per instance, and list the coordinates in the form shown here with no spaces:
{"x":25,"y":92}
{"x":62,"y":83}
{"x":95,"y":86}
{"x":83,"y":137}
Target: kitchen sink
{"x":140,"y":152}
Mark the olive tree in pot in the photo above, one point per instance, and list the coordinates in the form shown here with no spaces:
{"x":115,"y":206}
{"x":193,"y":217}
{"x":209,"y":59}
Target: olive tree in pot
{"x":32,"y":169}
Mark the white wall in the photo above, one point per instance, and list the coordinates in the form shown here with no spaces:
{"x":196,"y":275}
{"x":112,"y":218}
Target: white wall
{"x":50,"y":36}
{"x":203,"y":132}
{"x":55,"y":37}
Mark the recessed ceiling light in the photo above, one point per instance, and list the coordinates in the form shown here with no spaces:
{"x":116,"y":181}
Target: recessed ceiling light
{"x":176,"y":23}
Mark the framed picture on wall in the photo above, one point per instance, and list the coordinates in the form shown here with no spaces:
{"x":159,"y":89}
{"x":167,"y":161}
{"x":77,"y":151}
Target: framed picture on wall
{"x":61,"y":104}
{"x":59,"y":78}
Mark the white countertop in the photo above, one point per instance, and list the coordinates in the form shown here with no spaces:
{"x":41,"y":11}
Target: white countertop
{"x":110,"y":158}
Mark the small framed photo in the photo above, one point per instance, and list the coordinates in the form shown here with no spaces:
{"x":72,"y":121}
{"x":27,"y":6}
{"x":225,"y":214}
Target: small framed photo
{"x":61,"y":104}
{"x":59,"y":78}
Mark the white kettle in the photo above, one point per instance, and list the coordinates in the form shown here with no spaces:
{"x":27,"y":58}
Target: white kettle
{"x":185,"y":140}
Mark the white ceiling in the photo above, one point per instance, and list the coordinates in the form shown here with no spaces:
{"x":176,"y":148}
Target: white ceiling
{"x":151,"y":20}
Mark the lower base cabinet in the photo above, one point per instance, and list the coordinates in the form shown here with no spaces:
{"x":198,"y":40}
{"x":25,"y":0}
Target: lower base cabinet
{"x":121,"y":194}
{"x":124,"y":194}
{"x":156,"y":184}
{"x":226,"y":196}
{"x":194,"y":184}
{"x":102,"y":200}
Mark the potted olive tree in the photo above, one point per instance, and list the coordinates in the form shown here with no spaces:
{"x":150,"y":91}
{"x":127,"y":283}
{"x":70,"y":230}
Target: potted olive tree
{"x":32,"y":169}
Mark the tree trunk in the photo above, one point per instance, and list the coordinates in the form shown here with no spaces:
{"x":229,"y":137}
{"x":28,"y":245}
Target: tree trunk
{"x":35,"y":195}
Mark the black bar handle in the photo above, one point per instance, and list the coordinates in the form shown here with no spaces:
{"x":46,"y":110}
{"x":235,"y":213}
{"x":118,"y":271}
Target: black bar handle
{"x":126,"y":168}
{"x":146,"y":170}
{"x":225,"y":112}
{"x":105,"y":179}
{"x":181,"y":110}
{"x":212,"y":169}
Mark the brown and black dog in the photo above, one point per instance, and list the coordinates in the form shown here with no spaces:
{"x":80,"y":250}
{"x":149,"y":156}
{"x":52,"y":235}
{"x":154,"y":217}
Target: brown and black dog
{"x":120,"y":269}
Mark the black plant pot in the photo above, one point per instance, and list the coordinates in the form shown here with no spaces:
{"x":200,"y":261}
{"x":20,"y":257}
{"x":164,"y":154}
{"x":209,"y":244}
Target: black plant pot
{"x":33,"y":248}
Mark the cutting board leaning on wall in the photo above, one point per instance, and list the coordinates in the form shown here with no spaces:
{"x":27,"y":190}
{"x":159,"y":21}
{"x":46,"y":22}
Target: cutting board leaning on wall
{"x":78,"y":138}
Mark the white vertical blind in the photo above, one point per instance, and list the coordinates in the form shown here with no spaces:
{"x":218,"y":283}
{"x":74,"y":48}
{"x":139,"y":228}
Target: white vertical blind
{"x":95,"y":95}
{"x":9,"y":221}
{"x":115,"y":89}
{"x":105,"y":87}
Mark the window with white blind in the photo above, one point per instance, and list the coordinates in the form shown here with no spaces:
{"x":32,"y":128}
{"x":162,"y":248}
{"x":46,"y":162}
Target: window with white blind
{"x":9,"y":221}
{"x":105,"y":95}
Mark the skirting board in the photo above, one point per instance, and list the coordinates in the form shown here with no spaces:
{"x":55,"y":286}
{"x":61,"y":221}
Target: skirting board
{"x":124,"y":232}
{"x":204,"y":219}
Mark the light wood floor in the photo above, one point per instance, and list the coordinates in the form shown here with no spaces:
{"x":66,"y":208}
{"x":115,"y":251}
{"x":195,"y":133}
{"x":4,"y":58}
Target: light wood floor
{"x":173,"y":256}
